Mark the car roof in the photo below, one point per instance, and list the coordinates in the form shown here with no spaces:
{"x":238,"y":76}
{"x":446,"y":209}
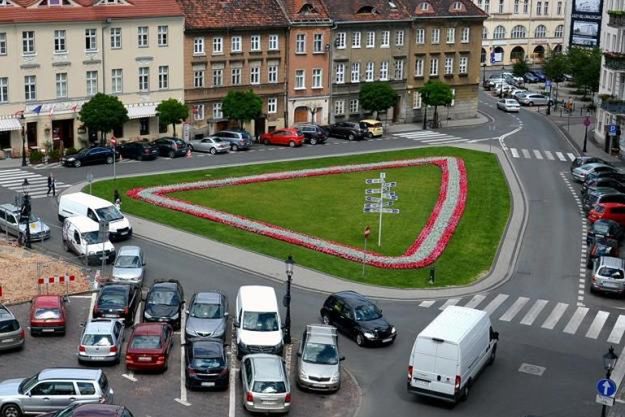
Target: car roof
{"x":10,"y":207}
{"x":87,"y":199}
{"x":169,"y":285}
{"x":612,"y":205}
{"x":208,"y":297}
{"x":148,"y":329}
{"x":129,"y":250}
{"x":457,"y":322}
{"x":593,"y":165}
{"x":353,"y":298}
{"x":207,"y":348}
{"x":259,"y":297}
{"x":265,"y":368}
{"x":101,"y":410}
{"x":74,"y":373}
{"x":47,"y":300}
{"x":100,"y":326}
{"x":611,"y":261}
{"x":84,"y":223}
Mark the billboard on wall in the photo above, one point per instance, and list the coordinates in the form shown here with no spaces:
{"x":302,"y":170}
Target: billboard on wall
{"x":586,"y":23}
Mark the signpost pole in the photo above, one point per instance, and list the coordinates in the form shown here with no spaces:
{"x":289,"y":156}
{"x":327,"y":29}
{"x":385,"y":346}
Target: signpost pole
{"x":381,"y":205}
{"x":364,"y":254}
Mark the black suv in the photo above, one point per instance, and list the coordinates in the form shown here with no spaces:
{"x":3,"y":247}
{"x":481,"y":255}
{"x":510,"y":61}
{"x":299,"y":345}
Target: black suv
{"x":117,"y":301}
{"x":139,"y":150}
{"x":87,"y":156}
{"x":313,"y":133}
{"x":348,"y":130}
{"x":357,"y":317}
{"x":164,"y":303}
{"x":171,"y":147}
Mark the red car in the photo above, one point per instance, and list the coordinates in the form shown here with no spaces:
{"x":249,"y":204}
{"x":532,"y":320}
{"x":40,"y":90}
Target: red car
{"x":149,"y":346}
{"x":608,"y":211}
{"x":47,"y":315}
{"x":289,"y":136}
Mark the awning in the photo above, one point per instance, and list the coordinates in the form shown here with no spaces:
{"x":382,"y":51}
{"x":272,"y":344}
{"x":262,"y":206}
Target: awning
{"x":139,"y":112}
{"x":9,"y":124}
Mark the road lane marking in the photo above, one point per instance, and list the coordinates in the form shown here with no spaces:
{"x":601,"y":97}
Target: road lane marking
{"x":526,"y":154}
{"x":427,"y":303}
{"x":617,"y":330}
{"x":93,"y":296}
{"x":549,"y":155}
{"x":597,"y":324}
{"x":533,"y":313}
{"x":576,"y":320}
{"x":475,"y":301}
{"x":554,"y":316}
{"x":537,"y":154}
{"x":515,"y":153}
{"x":560,"y":156}
{"x":571,"y":156}
{"x":450,"y":302}
{"x":137,"y":319}
{"x":183,"y":389}
{"x":514,"y":309}
{"x":441,"y":139}
{"x":232,"y":380}
{"x":495,"y":303}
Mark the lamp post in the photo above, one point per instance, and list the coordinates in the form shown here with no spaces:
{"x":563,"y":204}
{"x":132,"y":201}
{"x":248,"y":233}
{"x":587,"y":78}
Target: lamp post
{"x":287,"y":299}
{"x":23,"y":123}
{"x":484,"y":72}
{"x":609,"y":362}
{"x":424,"y":104}
{"x":25,"y":212}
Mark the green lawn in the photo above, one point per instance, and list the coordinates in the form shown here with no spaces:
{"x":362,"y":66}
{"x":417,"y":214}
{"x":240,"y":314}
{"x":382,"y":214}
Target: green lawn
{"x":317,"y":208}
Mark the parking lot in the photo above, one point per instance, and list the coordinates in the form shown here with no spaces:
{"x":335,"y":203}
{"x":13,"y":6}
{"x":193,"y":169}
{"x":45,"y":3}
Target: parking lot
{"x":151,"y":395}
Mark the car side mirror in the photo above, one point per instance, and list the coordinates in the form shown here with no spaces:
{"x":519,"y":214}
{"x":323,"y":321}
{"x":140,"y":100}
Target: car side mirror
{"x":236,"y":324}
{"x":226,"y":314}
{"x":342,"y":358}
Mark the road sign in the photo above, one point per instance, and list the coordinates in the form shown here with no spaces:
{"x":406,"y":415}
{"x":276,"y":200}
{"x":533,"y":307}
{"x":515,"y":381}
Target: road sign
{"x":103,"y":230}
{"x":390,"y":196}
{"x":548,"y":84}
{"x":587,"y":121}
{"x":609,"y":401}
{"x":373,"y":181}
{"x":370,"y":210}
{"x":373,"y":191}
{"x":382,"y":175}
{"x":373,"y":199}
{"x":612,"y":130}
{"x":606,"y":387}
{"x":390,"y":210}
{"x":89,"y":177}
{"x":390,"y":184}
{"x":372,"y":205}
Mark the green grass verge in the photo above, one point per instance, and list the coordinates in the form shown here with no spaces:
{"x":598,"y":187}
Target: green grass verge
{"x":468,"y":256}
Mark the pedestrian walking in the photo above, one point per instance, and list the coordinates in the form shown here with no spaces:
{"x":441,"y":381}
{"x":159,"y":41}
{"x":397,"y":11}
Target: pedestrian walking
{"x":51,"y":185}
{"x":117,"y":200}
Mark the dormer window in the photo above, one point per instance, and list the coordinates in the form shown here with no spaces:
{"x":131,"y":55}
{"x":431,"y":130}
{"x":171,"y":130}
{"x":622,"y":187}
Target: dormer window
{"x":392,"y":5}
{"x":5,"y":3}
{"x":425,"y":6}
{"x":307,"y":9}
{"x":54,"y":3}
{"x":367,"y":10}
{"x":457,"y":7}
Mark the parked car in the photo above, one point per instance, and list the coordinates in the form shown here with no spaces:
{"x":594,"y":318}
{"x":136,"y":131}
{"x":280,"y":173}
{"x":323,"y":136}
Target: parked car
{"x":601,"y":246}
{"x":605,"y":228}
{"x":319,"y":362}
{"x":11,"y":333}
{"x":602,"y":195}
{"x":53,"y":389}
{"x":101,"y":341}
{"x":265,"y":384}
{"x":508,"y":104}
{"x":540,"y":75}
{"x":503,"y":88}
{"x":357,"y":317}
{"x":238,"y":139}
{"x":608,"y":275}
{"x":117,"y":301}
{"x":513,"y":77}
{"x":164,"y":303}
{"x":257,"y":321}
{"x":579,"y":173}
{"x":534,"y":99}
{"x":584,"y":160}
{"x":374,"y":128}
{"x":139,"y":150}
{"x":602,"y":183}
{"x":313,"y":133}
{"x":47,"y":315}
{"x":129,"y":266}
{"x":149,"y":346}
{"x":206,"y":364}
{"x":207,"y":316}
{"x":90,"y":156}
{"x":493,"y":81}
{"x":289,"y":136}
{"x":90,"y":410}
{"x":609,"y":211}
{"x":528,"y":77}
{"x":10,"y":223}
{"x":516,"y":91}
{"x":171,"y":147}
{"x":617,"y":175}
{"x":210,"y":144}
{"x":348,"y":130}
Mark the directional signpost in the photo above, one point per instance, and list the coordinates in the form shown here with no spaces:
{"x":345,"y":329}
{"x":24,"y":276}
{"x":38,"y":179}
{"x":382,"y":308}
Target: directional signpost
{"x":381,"y":204}
{"x":606,"y":389}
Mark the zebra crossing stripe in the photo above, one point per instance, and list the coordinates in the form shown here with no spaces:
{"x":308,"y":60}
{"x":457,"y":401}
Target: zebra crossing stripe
{"x":515,"y":153}
{"x":549,"y":155}
{"x":571,"y":156}
{"x":426,"y":303}
{"x":531,"y":315}
{"x":450,"y":302}
{"x":526,"y":154}
{"x":617,"y":330}
{"x":475,"y":301}
{"x":514,"y":309}
{"x":560,"y":156}
{"x":441,"y":139}
{"x":597,"y":324}
{"x":576,"y":320}
{"x":554,"y":316}
{"x":495,"y":303}
{"x":537,"y":154}
{"x":420,"y":134}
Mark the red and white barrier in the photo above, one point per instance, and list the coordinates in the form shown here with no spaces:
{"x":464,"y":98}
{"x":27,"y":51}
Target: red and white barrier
{"x":61,"y":279}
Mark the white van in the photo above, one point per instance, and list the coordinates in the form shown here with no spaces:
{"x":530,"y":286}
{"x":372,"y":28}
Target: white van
{"x":81,"y":235}
{"x":449,"y":353}
{"x":257,"y":321}
{"x":97,"y":209}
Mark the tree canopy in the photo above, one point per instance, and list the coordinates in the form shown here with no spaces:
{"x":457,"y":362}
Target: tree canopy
{"x":103,"y":113}
{"x":585,"y":67}
{"x":171,"y":112}
{"x":242,"y":105}
{"x":555,"y":66}
{"x":377,"y":96}
{"x":520,"y":67}
{"x":436,"y":93}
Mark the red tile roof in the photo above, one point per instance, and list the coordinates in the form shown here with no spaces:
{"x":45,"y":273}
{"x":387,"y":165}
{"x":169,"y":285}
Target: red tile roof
{"x":305,"y":10}
{"x":86,"y":12}
{"x":357,"y":10}
{"x":222,"y":14}
{"x":443,"y":8}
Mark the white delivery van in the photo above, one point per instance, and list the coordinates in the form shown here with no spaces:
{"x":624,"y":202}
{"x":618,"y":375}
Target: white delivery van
{"x":257,"y":321}
{"x":449,"y":353}
{"x":97,"y":209}
{"x":81,"y":235}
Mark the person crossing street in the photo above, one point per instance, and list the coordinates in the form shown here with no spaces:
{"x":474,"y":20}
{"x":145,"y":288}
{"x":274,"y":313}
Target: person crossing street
{"x":51,"y":185}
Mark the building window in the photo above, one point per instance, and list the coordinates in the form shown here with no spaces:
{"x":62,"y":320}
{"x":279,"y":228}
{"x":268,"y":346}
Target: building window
{"x":28,"y":42}
{"x":217,"y":111}
{"x":144,"y":126}
{"x":516,"y":6}
{"x":463,"y":65}
{"x":539,"y":8}
{"x":546,"y":8}
{"x":30,"y":87}
{"x":198,"y":112}
{"x":272,"y":74}
{"x":559,"y":9}
{"x":399,"y":38}
{"x":198,"y":78}
{"x":91,"y":40}
{"x":451,"y":35}
{"x":464,"y":37}
{"x":317,"y":43}
{"x":218,"y":45}
{"x":144,"y":79}
{"x":384,"y":71}
{"x":436,"y":35}
{"x":218,"y":77}
{"x":255,"y":75}
{"x":300,"y":43}
{"x":116,"y":38}
{"x":3,"y":43}
{"x":198,"y":46}
{"x":92,"y":83}
{"x":339,"y":107}
{"x":356,"y":72}
{"x":235,"y":76}
{"x":487,"y":6}
{"x":420,"y":36}
{"x":525,"y":6}
{"x":117,"y":81}
{"x":385,"y":42}
{"x":142,"y":36}
{"x":4,"y":89}
{"x":370,"y":39}
{"x":399,"y":69}
{"x":353,"y":106}
{"x":540,"y":32}
{"x":499,"y":33}
{"x":518,"y":32}
{"x":484,"y":32}
{"x":300,"y":79}
{"x":369,"y":71}
{"x":255,"y":43}
{"x":449,"y":65}
{"x":317,"y":78}
{"x":273,"y":43}
{"x":163,"y":35}
{"x":419,"y":67}
{"x":340,"y":74}
{"x":500,"y":8}
{"x":272,"y":105}
{"x":235,"y":44}
{"x":340,"y":40}
{"x":355,"y":39}
{"x":434,"y":67}
{"x":61,"y":85}
{"x":163,"y":77}
{"x":559,"y":31}
{"x":416,"y":100}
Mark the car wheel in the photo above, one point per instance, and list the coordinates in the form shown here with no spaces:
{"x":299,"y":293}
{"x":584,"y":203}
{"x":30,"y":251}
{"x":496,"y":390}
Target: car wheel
{"x":350,"y":137}
{"x":234,"y":147}
{"x":325,"y":319}
{"x":11,"y":410}
{"x":171,"y":154}
{"x":65,"y":246}
{"x":213,"y":151}
{"x":140,"y":158}
{"x":313,"y":141}
{"x":109,"y":160}
{"x":291,"y":144}
{"x":493,"y":355}
{"x":77,"y":164}
{"x":531,"y":103}
{"x":465,"y":390}
{"x":360,"y":339}
{"x":369,"y":135}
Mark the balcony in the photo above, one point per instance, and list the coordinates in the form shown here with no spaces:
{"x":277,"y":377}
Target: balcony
{"x":616,"y":18}
{"x":613,"y":105}
{"x":614,"y":60}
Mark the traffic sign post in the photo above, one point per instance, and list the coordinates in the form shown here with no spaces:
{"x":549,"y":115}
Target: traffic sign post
{"x":378,"y":204}
{"x":364,"y":253}
{"x":606,"y":390}
{"x":90,"y":180}
{"x":114,"y":142}
{"x":586,"y":124}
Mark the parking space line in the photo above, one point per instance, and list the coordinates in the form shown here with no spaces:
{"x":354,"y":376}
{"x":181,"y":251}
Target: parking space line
{"x":93,"y":296}
{"x":233,"y":371}
{"x":131,"y":374}
{"x":183,"y":389}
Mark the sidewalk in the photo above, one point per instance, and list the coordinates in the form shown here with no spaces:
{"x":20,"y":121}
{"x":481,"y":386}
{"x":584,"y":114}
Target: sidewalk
{"x":410,"y":127}
{"x":10,"y":163}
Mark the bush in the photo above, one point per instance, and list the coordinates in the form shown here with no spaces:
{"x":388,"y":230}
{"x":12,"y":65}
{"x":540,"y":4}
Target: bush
{"x":54,"y":155}
{"x":70,"y":151}
{"x":36,"y":157}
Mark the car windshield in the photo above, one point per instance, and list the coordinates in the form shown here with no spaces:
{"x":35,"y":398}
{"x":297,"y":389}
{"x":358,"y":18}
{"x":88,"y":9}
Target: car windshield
{"x":127,"y":261}
{"x":217,"y":140}
{"x":260,"y":322}
{"x":112,"y":299}
{"x":92,"y":237}
{"x":179,"y":142}
{"x":367,"y":312}
{"x":47,"y":313}
{"x":164,"y":297}
{"x":7,"y":326}
{"x":28,"y":383}
{"x":146,"y":342}
{"x":613,"y":273}
{"x":269,"y":387}
{"x":66,"y":412}
{"x":109,"y":214}
{"x":206,"y":311}
{"x":601,"y":228}
{"x":207,"y":363}
{"x":83,"y":151}
{"x":90,"y":339}
{"x":320,"y":353}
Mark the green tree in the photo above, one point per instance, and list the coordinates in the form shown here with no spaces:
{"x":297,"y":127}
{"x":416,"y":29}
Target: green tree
{"x":242,"y":106}
{"x":520,"y":67}
{"x":103,"y":113}
{"x":555,"y":66}
{"x":377,"y":96}
{"x":435,"y":93}
{"x":171,"y":111}
{"x":585,"y":68}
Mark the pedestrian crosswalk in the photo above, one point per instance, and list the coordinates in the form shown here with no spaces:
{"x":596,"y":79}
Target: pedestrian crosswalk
{"x":431,"y":138}
{"x":13,"y":179}
{"x":543,"y":314}
{"x":540,"y":154}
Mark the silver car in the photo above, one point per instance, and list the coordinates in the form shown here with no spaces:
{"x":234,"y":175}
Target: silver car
{"x":318,"y":363}
{"x":11,"y":333}
{"x":533,"y":99}
{"x":207,"y":316}
{"x":608,"y":275}
{"x":580,"y":173}
{"x":9,"y":222}
{"x":508,"y":104}
{"x":129,"y":266}
{"x":210,"y":144}
{"x":101,"y":341}
{"x":53,"y":389}
{"x":265,"y":382}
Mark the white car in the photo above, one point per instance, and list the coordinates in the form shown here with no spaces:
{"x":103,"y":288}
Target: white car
{"x":210,"y":144}
{"x":508,"y":104}
{"x":515,"y":78}
{"x":516,"y":91}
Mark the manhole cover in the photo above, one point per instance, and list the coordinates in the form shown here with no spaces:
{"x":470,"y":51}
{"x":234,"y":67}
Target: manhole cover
{"x":528,"y":368}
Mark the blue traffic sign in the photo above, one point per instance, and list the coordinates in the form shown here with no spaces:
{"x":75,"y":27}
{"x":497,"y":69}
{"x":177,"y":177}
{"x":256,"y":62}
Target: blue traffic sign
{"x":606,"y":387}
{"x":548,"y":83}
{"x":492,"y":57}
{"x":612,"y":130}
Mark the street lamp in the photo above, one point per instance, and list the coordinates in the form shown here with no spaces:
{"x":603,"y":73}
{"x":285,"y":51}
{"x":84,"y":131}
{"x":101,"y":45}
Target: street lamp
{"x":25,"y":212}
{"x":287,"y":299}
{"x":23,"y":123}
{"x":609,"y":362}
{"x":484,"y":72}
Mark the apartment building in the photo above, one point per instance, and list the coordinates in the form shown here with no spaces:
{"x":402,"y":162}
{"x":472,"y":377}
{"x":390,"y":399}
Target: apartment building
{"x":234,"y":45}
{"x":56,"y":54}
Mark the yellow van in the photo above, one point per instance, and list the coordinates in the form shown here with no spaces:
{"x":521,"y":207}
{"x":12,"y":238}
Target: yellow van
{"x":374,"y":127}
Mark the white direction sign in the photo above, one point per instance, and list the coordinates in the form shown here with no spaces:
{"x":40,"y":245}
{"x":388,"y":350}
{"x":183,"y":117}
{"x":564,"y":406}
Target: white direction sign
{"x":390,"y":210}
{"x":378,"y":205}
{"x":600,"y":399}
{"x":373,"y":199}
{"x":370,"y":210}
{"x":390,"y":196}
{"x":389,"y":184}
{"x":373,"y":191}
{"x":373,"y":181}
